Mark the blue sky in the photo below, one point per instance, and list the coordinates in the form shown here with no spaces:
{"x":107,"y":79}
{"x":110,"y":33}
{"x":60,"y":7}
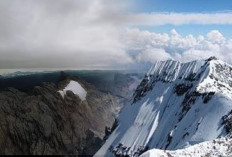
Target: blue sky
{"x":182,"y":5}
{"x":185,"y":6}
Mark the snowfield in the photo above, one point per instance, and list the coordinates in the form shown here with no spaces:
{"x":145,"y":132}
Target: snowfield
{"x":76,"y":88}
{"x":219,"y":147}
{"x":175,"y":106}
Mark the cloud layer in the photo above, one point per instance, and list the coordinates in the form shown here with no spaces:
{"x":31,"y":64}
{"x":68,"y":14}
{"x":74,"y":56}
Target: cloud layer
{"x":147,"y":46}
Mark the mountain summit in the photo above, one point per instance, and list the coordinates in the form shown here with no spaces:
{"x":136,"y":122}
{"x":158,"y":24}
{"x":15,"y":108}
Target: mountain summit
{"x":176,"y":105}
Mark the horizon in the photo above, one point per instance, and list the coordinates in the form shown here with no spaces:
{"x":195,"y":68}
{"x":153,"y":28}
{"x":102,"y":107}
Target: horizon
{"x":5,"y":72}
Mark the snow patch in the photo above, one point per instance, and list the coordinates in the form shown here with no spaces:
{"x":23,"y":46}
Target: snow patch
{"x":76,"y":88}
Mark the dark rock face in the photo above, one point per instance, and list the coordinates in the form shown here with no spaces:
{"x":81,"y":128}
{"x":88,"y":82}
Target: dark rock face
{"x":227,"y":121}
{"x":191,"y":77}
{"x":182,"y":88}
{"x":42,"y":122}
{"x":190,"y":99}
{"x":211,"y":58}
{"x":142,"y":88}
{"x":207,"y":97}
{"x":124,"y":150}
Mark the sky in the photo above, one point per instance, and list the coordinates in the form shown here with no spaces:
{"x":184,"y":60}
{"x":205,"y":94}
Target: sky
{"x":105,"y":34}
{"x":182,"y":5}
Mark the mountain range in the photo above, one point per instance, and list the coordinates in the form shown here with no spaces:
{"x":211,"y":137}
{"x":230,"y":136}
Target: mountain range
{"x":59,"y":113}
{"x":175,"y":110}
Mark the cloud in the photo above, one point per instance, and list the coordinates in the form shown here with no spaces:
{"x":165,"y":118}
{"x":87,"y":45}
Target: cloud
{"x":215,"y":37}
{"x":152,"y":55}
{"x":60,"y":33}
{"x":148,"y":46}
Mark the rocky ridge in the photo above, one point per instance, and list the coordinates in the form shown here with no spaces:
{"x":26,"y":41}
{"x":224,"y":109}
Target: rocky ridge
{"x":41,"y":122}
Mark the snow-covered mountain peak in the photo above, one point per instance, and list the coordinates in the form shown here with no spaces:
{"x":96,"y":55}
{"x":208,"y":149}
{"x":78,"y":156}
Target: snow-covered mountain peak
{"x":210,"y":75}
{"x":218,"y":79}
{"x":171,"y":70}
{"x":174,"y":106}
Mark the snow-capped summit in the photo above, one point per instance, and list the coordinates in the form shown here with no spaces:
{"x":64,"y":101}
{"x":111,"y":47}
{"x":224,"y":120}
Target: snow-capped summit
{"x":176,"y":105}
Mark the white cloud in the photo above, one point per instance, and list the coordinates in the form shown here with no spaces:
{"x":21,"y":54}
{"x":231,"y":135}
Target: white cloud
{"x":215,"y":37}
{"x":152,"y":55}
{"x":149,"y":46}
{"x":174,"y":32}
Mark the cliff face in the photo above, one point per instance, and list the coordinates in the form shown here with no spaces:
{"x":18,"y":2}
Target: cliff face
{"x":41,"y":121}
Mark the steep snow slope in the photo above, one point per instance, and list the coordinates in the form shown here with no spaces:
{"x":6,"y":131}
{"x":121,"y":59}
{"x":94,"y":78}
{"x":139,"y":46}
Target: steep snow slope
{"x":215,"y":148}
{"x":176,"y":105}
